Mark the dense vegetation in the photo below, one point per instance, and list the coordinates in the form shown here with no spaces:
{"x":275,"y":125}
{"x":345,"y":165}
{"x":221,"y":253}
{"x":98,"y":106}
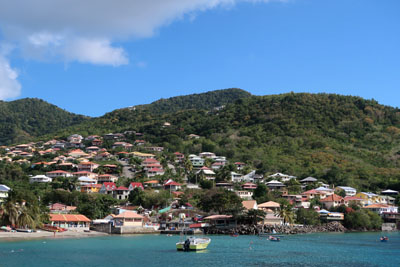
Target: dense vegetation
{"x":205,"y":101}
{"x":23,"y":119}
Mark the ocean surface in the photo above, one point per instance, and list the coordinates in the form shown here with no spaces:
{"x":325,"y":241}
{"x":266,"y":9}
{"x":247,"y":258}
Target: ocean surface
{"x":331,"y":249}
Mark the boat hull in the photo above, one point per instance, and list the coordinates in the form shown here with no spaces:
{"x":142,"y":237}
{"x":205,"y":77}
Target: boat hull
{"x":194,"y":245}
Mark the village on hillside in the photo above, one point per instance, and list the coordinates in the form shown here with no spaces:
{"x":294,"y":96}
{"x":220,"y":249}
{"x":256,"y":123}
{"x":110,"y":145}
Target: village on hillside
{"x":147,"y":189}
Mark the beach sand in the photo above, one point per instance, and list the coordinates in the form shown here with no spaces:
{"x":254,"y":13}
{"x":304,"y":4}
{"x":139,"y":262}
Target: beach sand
{"x":17,"y":236}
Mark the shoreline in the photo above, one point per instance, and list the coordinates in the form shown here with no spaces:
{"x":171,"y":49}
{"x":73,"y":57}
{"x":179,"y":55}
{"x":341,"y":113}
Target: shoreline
{"x":20,"y":236}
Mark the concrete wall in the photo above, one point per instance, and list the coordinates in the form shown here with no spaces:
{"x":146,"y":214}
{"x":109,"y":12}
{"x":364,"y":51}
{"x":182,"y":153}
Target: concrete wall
{"x":389,"y":227}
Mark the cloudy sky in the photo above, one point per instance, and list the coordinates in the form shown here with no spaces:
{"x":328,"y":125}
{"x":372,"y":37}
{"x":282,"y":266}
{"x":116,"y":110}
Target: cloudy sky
{"x":93,"y":56}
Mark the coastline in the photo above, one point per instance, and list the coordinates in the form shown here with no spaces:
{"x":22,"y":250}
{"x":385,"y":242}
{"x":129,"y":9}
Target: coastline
{"x":20,"y":236}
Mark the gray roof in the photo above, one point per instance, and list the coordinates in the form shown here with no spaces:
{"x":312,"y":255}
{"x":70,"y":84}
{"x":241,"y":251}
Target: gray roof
{"x":4,"y":188}
{"x":309,"y":179}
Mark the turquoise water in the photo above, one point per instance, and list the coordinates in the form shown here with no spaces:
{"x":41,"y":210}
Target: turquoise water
{"x":355,"y":249}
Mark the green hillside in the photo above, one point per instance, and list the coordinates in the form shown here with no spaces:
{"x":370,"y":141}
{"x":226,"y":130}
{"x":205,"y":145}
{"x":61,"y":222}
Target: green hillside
{"x":343,"y":140}
{"x":23,"y":119}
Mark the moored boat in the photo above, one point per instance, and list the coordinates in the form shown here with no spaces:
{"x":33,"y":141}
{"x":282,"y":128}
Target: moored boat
{"x":193,"y":244}
{"x":384,"y":239}
{"x":274,"y":238}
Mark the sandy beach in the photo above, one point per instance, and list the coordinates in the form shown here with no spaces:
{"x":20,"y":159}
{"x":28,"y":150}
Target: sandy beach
{"x":16,"y":236}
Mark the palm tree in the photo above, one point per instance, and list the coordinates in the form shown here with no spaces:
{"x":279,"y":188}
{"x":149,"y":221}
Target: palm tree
{"x":10,"y":212}
{"x":25,"y":219}
{"x":286,"y":214}
{"x":254,"y":216}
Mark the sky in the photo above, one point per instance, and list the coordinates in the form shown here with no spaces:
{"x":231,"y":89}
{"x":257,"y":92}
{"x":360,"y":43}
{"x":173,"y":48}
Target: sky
{"x":91,"y":57}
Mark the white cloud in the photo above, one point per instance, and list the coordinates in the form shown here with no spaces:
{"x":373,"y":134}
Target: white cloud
{"x":46,"y":28}
{"x":84,"y":31}
{"x":95,"y":51}
{"x":9,"y":86}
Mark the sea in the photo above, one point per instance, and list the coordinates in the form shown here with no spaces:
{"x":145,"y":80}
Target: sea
{"x":325,"y":249}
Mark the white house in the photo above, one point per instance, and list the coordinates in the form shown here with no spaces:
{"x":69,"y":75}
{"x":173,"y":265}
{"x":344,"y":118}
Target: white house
{"x":3,"y":192}
{"x":350,"y":191}
{"x":40,"y":179}
{"x":236,"y":177}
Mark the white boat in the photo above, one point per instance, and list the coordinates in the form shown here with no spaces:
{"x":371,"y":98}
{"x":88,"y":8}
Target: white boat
{"x":193,"y":243}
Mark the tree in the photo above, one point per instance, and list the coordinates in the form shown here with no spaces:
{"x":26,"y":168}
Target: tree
{"x":136,"y":196}
{"x":220,"y":201}
{"x":307,"y":217}
{"x":260,"y":193}
{"x":254,"y":216}
{"x":286,"y":214}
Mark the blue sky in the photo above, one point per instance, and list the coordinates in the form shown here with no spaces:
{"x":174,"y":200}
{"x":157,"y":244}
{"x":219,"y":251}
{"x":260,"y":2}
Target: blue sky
{"x":349,"y":47}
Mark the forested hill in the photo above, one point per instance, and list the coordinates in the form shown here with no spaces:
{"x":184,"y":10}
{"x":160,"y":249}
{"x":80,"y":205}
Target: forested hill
{"x":206,"y":101}
{"x":23,"y":119}
{"x":342,"y":139}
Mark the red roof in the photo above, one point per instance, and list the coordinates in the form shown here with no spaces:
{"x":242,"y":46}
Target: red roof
{"x":173,"y":183}
{"x":136,"y":184}
{"x":58,"y":171}
{"x":128,"y":214}
{"x":68,"y":218}
{"x":122,"y":188}
{"x":110,"y":186}
{"x":110,"y":166}
{"x":239,"y":163}
{"x":332,"y":198}
{"x":352,"y":198}
{"x":149,"y":160}
{"x":155,"y":170}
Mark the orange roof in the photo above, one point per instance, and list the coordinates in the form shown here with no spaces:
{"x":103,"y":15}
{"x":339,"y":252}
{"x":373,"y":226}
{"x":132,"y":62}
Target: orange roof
{"x":68,"y":218}
{"x":128,"y":214}
{"x":377,"y":205}
{"x":332,"y":198}
{"x":151,"y":182}
{"x":249,"y":204}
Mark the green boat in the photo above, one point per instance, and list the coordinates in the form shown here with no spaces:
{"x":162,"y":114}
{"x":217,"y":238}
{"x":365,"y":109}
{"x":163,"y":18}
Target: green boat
{"x":193,"y":244}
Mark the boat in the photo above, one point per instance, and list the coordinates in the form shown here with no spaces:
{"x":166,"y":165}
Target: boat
{"x":24,"y":230}
{"x":193,"y":244}
{"x":234,"y":235}
{"x":384,"y":239}
{"x":274,"y":238}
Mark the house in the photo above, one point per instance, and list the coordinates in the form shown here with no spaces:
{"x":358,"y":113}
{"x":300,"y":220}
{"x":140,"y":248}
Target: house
{"x":275,"y":185}
{"x":353,"y":200}
{"x":84,"y":180}
{"x":217,"y":165}
{"x":350,"y":191}
{"x":154,"y":148}
{"x":250,"y":204}
{"x":253,"y":177}
{"x":61,"y":208}
{"x":58,"y":173}
{"x":154,"y":171}
{"x":390,"y":192}
{"x":193,"y":136}
{"x":227,"y":186}
{"x":207,"y":173}
{"x":221,"y":221}
{"x":172,"y":185}
{"x":108,"y":188}
{"x":368,"y":198}
{"x":208,"y":155}
{"x":249,"y":186}
{"x":40,"y":179}
{"x":152,"y":184}
{"x":97,"y":142}
{"x":179,"y":157}
{"x":121,"y":193}
{"x":3,"y":192}
{"x":270,"y":205}
{"x":142,"y":155}
{"x":91,"y":188}
{"x":245,"y":194}
{"x":76,"y":222}
{"x":92,"y":149}
{"x":103,"y":178}
{"x":77,"y":153}
{"x":309,"y":180}
{"x":310,"y":194}
{"x":196,"y":161}
{"x":128,"y":218}
{"x":239,"y":165}
{"x":236,"y":177}
{"x":325,"y":215}
{"x":297,"y":201}
{"x":134,"y":185}
{"x":333,"y":201}
{"x":87,"y":174}
{"x":381,"y":208}
{"x":87,"y":166}
{"x":282,"y":177}
{"x":149,"y":162}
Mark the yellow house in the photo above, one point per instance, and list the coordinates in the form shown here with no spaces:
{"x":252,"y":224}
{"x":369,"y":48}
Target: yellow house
{"x":368,"y":198}
{"x":129,"y":218}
